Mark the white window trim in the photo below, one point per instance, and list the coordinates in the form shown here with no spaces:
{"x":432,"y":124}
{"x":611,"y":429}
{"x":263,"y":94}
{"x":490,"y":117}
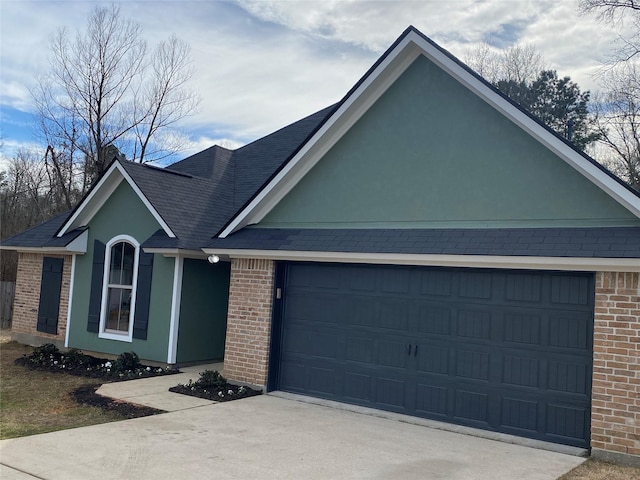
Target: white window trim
{"x":110,"y":334}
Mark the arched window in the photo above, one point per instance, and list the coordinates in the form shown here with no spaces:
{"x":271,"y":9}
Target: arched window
{"x":119,"y":288}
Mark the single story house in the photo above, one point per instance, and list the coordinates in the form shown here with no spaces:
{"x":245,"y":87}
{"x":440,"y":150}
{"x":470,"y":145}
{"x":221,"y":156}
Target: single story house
{"x":424,"y":246}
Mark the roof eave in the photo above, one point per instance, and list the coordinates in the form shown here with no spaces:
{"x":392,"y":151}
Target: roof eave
{"x":473,"y":261}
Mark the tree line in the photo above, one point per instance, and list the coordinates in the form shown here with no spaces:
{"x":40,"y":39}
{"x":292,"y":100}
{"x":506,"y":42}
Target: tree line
{"x":105,"y":95}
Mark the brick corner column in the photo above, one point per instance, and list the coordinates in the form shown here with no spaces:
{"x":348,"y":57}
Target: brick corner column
{"x":246,"y":354}
{"x":27,"y":300}
{"x":615,"y":405}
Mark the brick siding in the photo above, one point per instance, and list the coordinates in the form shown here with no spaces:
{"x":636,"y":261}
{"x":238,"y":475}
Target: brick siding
{"x":249,"y":321}
{"x":615,"y":409}
{"x":27,"y":297}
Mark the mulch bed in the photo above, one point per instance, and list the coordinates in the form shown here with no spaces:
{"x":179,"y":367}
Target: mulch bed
{"x":224,"y":393}
{"x":86,"y":395}
{"x":126,"y":367}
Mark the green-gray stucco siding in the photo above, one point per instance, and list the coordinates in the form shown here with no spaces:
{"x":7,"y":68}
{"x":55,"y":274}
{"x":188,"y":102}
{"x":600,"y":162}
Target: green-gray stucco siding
{"x":203,"y":311}
{"x":123,"y":214}
{"x":430,"y":153}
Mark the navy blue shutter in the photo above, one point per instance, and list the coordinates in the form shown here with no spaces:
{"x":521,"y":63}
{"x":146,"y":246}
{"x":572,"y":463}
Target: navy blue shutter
{"x":143,"y":295}
{"x":97,"y":277}
{"x":50,"y":288}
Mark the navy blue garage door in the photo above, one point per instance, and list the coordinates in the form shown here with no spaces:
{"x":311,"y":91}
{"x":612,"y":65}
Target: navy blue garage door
{"x":507,"y":351}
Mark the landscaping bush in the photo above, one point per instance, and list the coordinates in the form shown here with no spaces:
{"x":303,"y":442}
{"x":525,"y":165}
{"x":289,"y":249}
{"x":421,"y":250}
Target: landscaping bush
{"x":211,"y":379}
{"x":126,"y":367}
{"x":126,"y":361}
{"x":213,"y":386}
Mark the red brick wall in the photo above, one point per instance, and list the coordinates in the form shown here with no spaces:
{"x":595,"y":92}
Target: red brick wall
{"x":249,"y":321}
{"x":27,"y":298}
{"x":615,"y":418}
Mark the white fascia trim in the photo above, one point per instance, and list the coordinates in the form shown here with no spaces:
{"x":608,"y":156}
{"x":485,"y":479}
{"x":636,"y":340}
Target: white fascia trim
{"x":101,"y":193}
{"x":175,"y":252}
{"x":176,"y":297}
{"x":371,"y":89}
{"x":472,"y":261}
{"x":43,"y":250}
{"x":71,"y":286}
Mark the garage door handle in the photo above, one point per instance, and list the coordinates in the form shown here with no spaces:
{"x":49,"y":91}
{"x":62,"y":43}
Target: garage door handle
{"x":415,"y":350}
{"x":409,"y":349}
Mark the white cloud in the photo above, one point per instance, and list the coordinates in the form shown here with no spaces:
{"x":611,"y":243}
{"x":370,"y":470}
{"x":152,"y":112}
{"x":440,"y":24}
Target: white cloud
{"x":263,"y":64}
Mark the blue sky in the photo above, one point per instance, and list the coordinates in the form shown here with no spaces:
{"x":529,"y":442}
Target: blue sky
{"x":263,"y":64}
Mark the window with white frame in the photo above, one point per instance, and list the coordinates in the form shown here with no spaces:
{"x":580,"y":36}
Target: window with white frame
{"x":119,"y":288}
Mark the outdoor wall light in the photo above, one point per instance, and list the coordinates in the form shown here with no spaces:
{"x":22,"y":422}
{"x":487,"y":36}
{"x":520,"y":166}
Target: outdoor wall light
{"x":213,"y":258}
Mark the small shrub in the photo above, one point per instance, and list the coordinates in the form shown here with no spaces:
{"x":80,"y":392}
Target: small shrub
{"x":74,"y":358}
{"x":46,"y":350}
{"x":45,"y":354}
{"x":126,"y":361}
{"x":211,"y":379}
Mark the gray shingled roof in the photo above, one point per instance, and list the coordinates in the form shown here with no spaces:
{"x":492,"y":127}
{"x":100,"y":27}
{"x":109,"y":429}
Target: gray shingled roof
{"x":612,"y":242}
{"x":43,"y":235}
{"x":197,"y":196}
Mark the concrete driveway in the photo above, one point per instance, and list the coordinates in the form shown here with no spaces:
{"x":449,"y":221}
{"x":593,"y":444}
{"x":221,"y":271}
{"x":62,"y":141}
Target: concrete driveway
{"x":271,"y":438}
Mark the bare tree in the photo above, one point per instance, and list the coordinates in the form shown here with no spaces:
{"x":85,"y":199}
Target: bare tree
{"x":165,"y":97}
{"x":518,"y":63}
{"x":618,"y":120}
{"x":617,"y":13}
{"x":105,"y":91}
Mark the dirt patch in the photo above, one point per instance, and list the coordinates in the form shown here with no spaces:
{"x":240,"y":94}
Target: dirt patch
{"x":86,"y":395}
{"x":596,"y":470}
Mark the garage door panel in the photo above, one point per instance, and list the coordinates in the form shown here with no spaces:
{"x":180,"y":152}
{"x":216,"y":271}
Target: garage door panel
{"x":566,"y":421}
{"x":472,"y":364}
{"x":476,"y":285}
{"x":432,"y":400}
{"x":303,"y":307}
{"x":568,"y":376}
{"x":520,"y":414}
{"x":393,"y":314}
{"x":570,"y":290}
{"x":522,"y":287}
{"x":520,"y":371}
{"x":358,"y":387}
{"x":434,"y":318}
{"x":433,"y":358}
{"x":522,"y":328}
{"x":390,"y":393}
{"x":497,"y":350}
{"x":395,"y":281}
{"x":302,"y":340}
{"x":393,"y":354}
{"x":322,"y":381}
{"x":473,"y":323}
{"x":358,"y":280}
{"x":437,"y":283}
{"x":472,"y":406}
{"x":568,"y":330}
{"x":360,"y":349}
{"x":293,"y":376}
